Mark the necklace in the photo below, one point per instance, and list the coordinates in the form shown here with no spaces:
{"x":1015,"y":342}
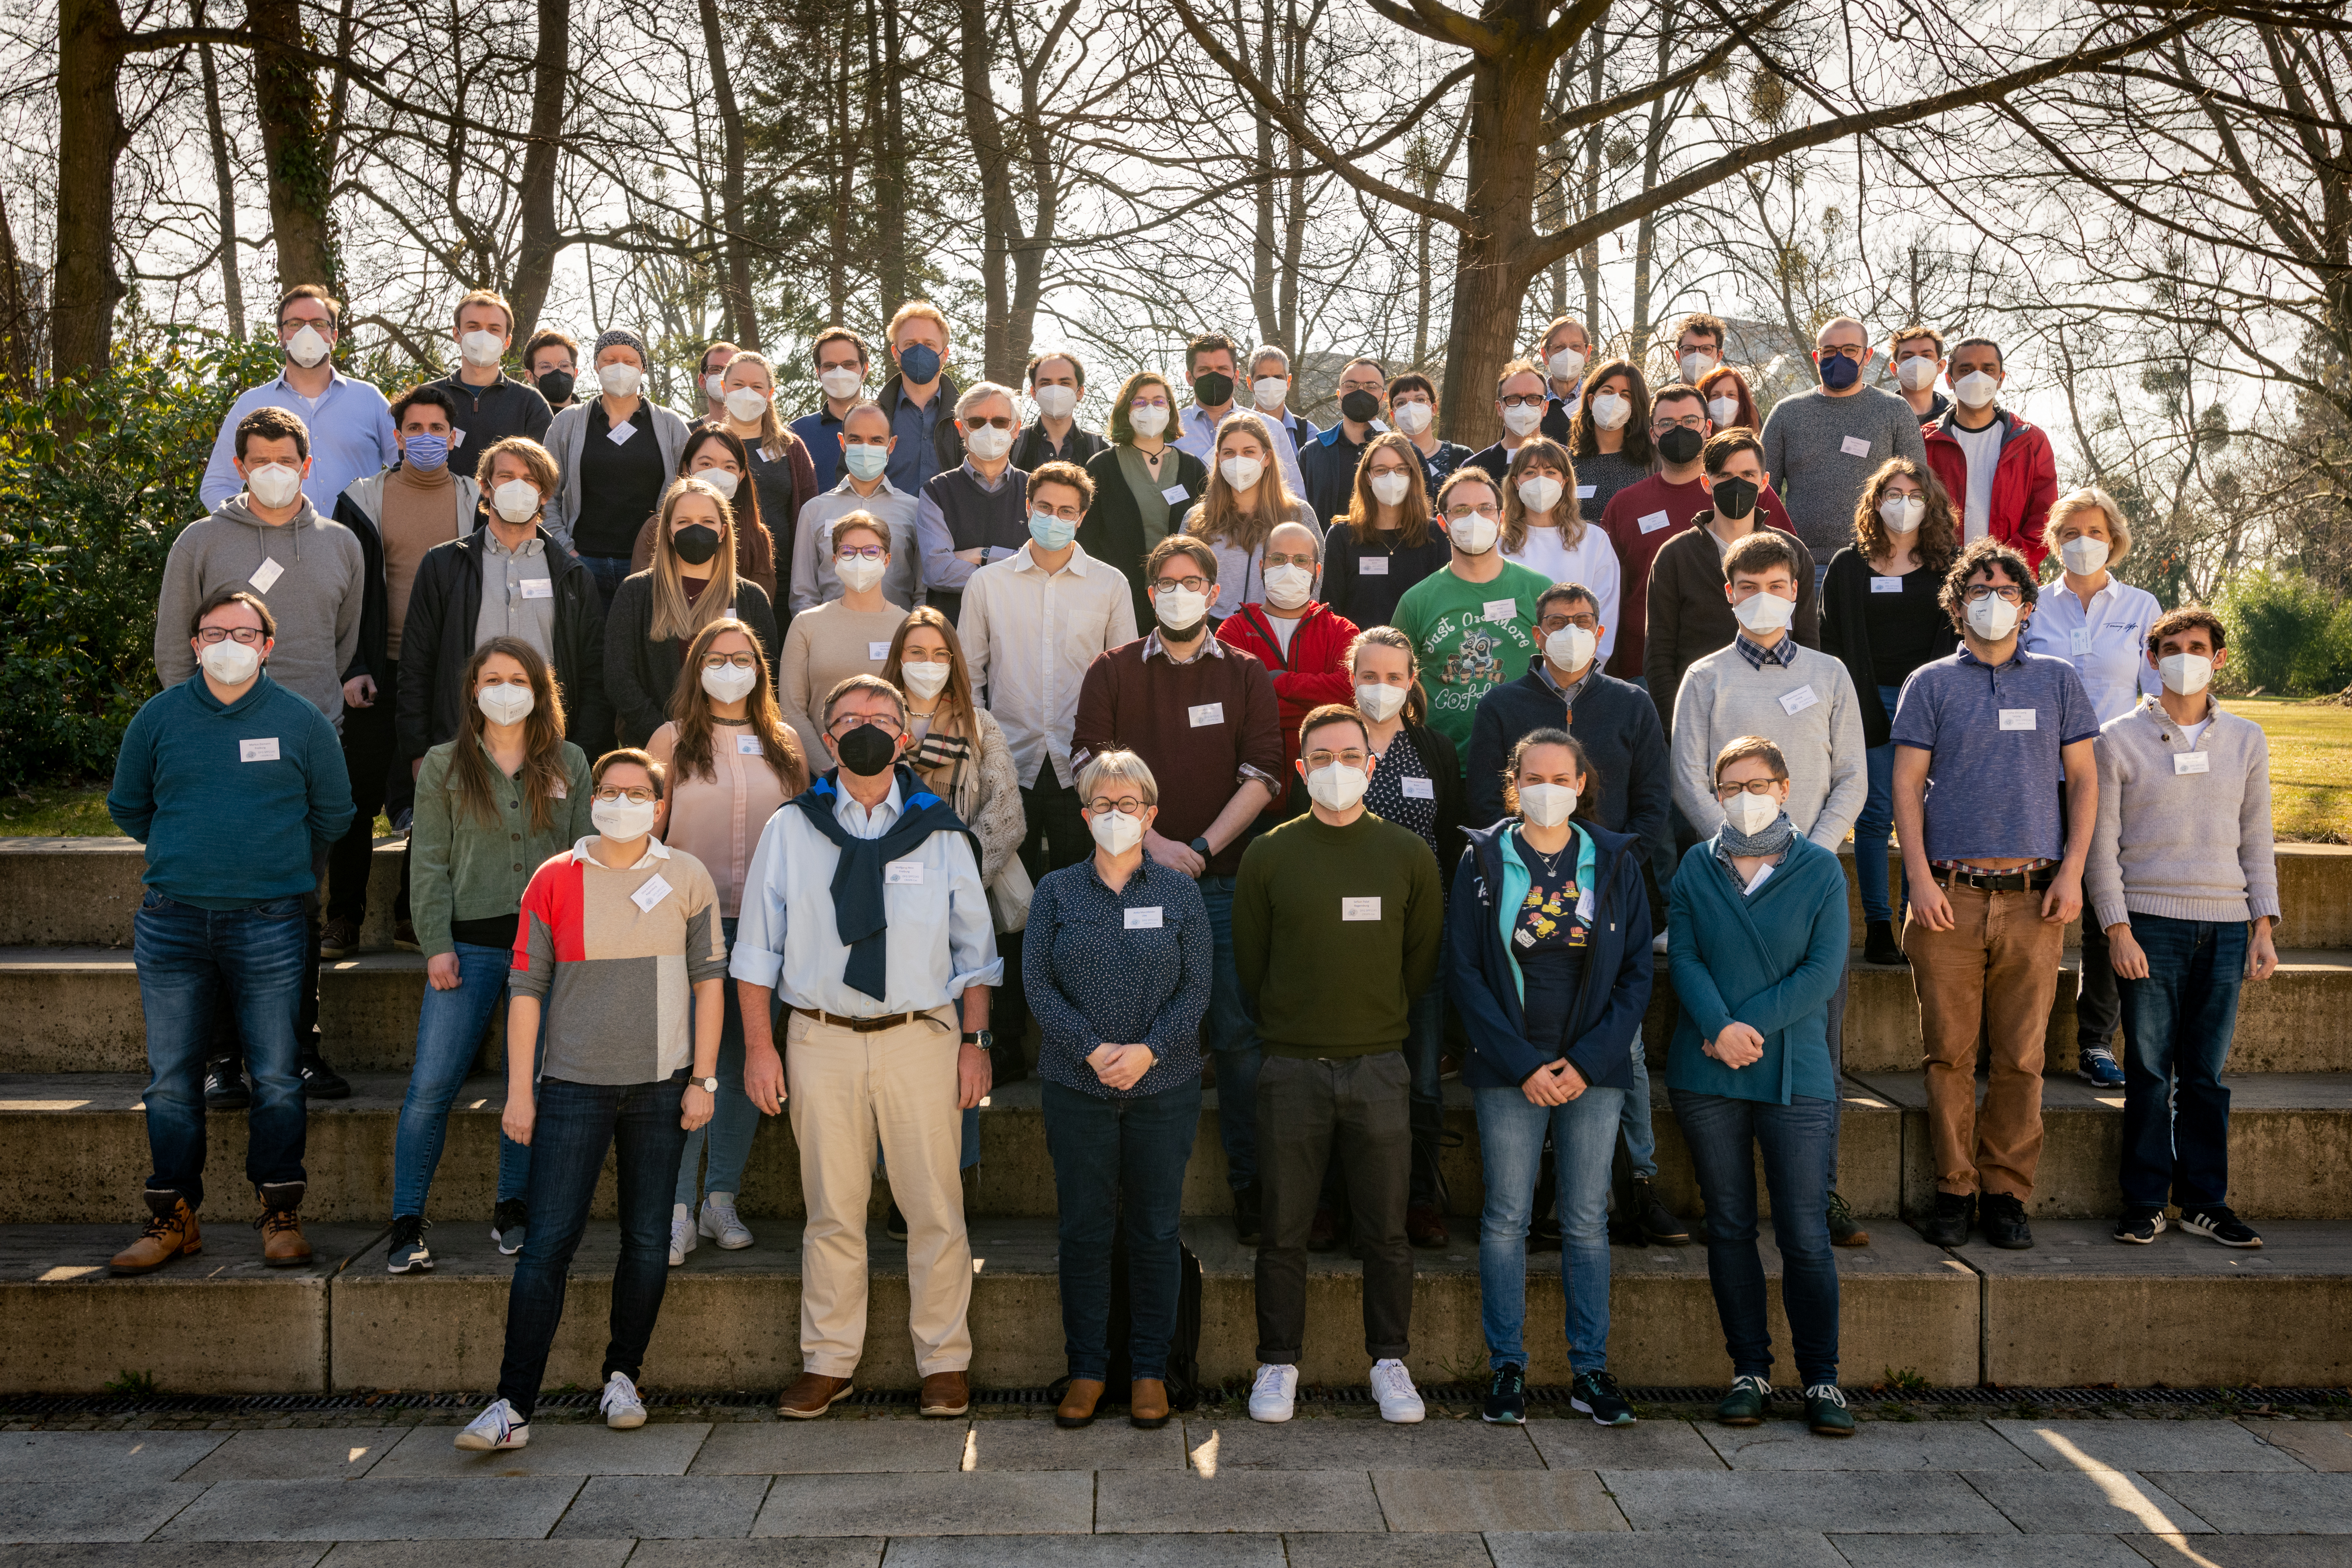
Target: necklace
{"x":1552,"y":861}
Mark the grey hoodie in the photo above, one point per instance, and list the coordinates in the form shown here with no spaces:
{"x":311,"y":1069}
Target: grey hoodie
{"x":315,"y":595}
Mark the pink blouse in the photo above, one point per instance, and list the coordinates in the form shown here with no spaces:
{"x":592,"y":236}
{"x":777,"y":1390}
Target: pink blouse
{"x":718,"y":820}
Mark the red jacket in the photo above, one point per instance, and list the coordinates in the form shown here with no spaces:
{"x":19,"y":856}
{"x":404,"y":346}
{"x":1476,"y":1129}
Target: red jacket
{"x":2024,"y":480}
{"x":1316,"y":672}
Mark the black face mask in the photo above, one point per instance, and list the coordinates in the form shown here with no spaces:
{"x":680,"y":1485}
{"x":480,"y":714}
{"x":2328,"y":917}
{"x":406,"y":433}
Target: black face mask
{"x":1212,"y":389}
{"x":1735,"y":498}
{"x":695,"y":544}
{"x":1362,"y":407}
{"x":866,"y":751}
{"x":555,"y":385}
{"x":1680,"y":445}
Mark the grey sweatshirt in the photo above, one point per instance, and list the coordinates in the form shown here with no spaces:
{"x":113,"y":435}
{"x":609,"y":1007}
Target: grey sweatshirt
{"x":1820,"y":481}
{"x":1723,"y":698}
{"x":315,"y":595}
{"x":2184,"y":845}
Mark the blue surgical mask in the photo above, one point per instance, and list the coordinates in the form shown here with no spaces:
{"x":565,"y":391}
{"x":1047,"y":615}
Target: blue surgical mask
{"x":865,"y":463}
{"x":920,"y":364}
{"x":425,"y":451}
{"x":1840,"y":372}
{"x":1051,"y":533}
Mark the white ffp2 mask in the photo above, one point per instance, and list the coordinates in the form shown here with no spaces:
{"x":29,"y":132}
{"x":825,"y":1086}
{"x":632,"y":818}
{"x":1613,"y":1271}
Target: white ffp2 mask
{"x":505,"y":703}
{"x":2185,"y":674}
{"x":1547,"y":804}
{"x":1337,"y":787}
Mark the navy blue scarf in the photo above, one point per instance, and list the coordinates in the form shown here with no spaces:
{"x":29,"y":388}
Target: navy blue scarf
{"x":857,"y":902}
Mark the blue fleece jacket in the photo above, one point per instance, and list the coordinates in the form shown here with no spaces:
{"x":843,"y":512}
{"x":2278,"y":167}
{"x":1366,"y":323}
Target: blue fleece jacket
{"x":229,"y":797}
{"x":1485,"y":986}
{"x":1770,"y":960}
{"x":1619,"y":727}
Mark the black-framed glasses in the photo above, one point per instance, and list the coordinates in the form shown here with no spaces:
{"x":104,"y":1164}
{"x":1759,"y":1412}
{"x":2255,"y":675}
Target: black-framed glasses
{"x":1190,"y":584}
{"x":1978,"y":592}
{"x":1125,"y":804}
{"x":1527,"y":400}
{"x":862,"y":551}
{"x":1753,"y":786}
{"x":1853,"y":352}
{"x":251,"y":636}
{"x":1587,"y":622}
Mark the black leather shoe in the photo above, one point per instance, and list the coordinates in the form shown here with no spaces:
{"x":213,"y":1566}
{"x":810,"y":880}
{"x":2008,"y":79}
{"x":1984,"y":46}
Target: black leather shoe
{"x":1247,"y":1224}
{"x":2004,"y":1222}
{"x":225,"y":1085}
{"x":321,"y":1081}
{"x":1657,"y":1222}
{"x":1948,"y":1225}
{"x":1879,"y":946}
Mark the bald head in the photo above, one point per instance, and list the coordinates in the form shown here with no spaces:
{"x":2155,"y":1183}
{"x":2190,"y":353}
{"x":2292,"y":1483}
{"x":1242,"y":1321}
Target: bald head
{"x":1293,"y":539}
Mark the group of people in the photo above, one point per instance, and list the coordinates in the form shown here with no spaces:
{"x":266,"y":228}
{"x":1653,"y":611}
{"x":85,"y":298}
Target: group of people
{"x":795,"y":770}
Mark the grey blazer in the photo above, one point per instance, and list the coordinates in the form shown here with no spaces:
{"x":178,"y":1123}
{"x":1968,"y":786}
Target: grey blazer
{"x":569,"y":434}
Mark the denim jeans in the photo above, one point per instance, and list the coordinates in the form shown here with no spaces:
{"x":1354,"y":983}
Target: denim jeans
{"x":448,"y":1031}
{"x":1120,"y":1163}
{"x":1231,"y":1033}
{"x":225,"y":1042}
{"x":1725,"y":1136}
{"x":734,"y":1119}
{"x":1877,"y":822}
{"x":608,"y":573}
{"x":192,"y":963}
{"x":1633,"y":1119}
{"x":2177,"y":1027}
{"x":577,"y":1123}
{"x":1510,"y":1144}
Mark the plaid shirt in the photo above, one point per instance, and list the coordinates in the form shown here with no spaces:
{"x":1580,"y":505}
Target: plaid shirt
{"x":1783,"y":653}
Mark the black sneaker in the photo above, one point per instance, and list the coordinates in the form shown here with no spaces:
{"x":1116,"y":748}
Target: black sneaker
{"x":509,"y":1221}
{"x":2004,"y":1222}
{"x":2218,"y":1224}
{"x":1246,"y":1221}
{"x":1879,"y":946}
{"x":1544,"y":1232}
{"x":2140,"y":1227}
{"x":895,"y":1226}
{"x":1844,"y":1229}
{"x":321,"y":1081}
{"x":1658,"y":1225}
{"x":225,"y":1085}
{"x":1594,"y":1394}
{"x":407,"y":1251}
{"x":1507,"y":1397}
{"x":1948,"y":1225}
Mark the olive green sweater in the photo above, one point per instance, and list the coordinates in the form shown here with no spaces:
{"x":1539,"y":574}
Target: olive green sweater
{"x":462,"y":867}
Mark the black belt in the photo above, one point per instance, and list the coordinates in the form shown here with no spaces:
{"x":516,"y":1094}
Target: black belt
{"x":1997,"y":881}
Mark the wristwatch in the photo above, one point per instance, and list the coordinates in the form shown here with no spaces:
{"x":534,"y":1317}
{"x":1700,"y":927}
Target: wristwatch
{"x":709,"y":1086}
{"x":980,"y":1038}
{"x":1200,"y":847}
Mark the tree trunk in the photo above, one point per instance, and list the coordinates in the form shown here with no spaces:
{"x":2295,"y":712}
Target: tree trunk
{"x":84,"y":286}
{"x":550,"y":73}
{"x":1261,"y":250}
{"x":986,"y":135}
{"x":17,"y":358}
{"x":1029,"y":252}
{"x":842,"y":180}
{"x":293,"y":125}
{"x":1498,"y":257}
{"x":737,"y":271}
{"x":1587,"y":260}
{"x":225,"y":189}
{"x":1645,"y":233}
{"x":889,"y":119}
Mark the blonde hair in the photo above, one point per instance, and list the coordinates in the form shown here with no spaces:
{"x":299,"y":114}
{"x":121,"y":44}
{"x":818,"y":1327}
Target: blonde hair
{"x":771,"y":431}
{"x":485,"y":297}
{"x":2090,"y":498}
{"x":1571,"y":514}
{"x":673,"y":615}
{"x":1219,"y":517}
{"x":915,"y":311}
{"x":1117,"y":766}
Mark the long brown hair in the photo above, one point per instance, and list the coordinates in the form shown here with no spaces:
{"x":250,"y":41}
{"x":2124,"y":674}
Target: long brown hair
{"x":673,"y":615}
{"x":1584,"y":436}
{"x":1940,"y":531}
{"x":1416,"y":700}
{"x":1363,"y":512}
{"x":1219,"y":517}
{"x":690,"y":709}
{"x":471,"y":778}
{"x":1587,"y":798}
{"x":955,"y":697}
{"x":1568,"y":509}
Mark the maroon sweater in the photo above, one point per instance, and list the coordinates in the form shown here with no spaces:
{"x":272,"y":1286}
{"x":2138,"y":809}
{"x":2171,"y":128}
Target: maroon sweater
{"x":1203,"y":728}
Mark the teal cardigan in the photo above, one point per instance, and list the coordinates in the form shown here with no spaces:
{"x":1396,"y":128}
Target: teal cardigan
{"x":1771,"y":961}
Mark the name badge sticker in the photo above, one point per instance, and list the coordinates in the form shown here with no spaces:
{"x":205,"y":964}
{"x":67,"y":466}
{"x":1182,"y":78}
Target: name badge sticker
{"x":1175,"y":495}
{"x":267,"y":572}
{"x":1586,"y":493}
{"x":653,"y":892}
{"x":2191,"y":762}
{"x":1499,"y":610}
{"x":902,"y":873}
{"x":1854,"y":447}
{"x":1800,"y":700}
{"x":1360,"y":909}
{"x":264,"y":750}
{"x":2018,"y":719}
{"x":1203,"y":713}
{"x":747,"y":745}
{"x":539,"y":587}
{"x":620,"y":436}
{"x":1887,"y":585}
{"x":1373,"y":566}
{"x":2079,"y":640}
{"x":1418,"y":789}
{"x":879,"y":652}
{"x":1144,"y":920}
{"x":457,"y":439}
{"x":1651,"y":521}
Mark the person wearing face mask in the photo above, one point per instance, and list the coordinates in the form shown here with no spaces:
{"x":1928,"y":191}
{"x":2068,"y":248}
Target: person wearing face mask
{"x":1994,"y":860}
{"x":862,"y":443}
{"x":1550,"y":928}
{"x":626,"y":1068}
{"x":1760,"y":937}
{"x":1210,"y":362}
{"x":506,"y":578}
{"x":1544,"y":530}
{"x":1303,"y":643}
{"x":1118,"y":961}
{"x":228,"y":778}
{"x":865,"y":916}
{"x":1338,"y":916}
{"x":1916,"y":355}
{"x":1564,"y":352}
{"x":841,"y":638}
{"x":1143,"y":485}
{"x":492,"y":805}
{"x":1520,"y":402}
{"x":779,"y":466}
{"x":1413,"y":405}
{"x":1881,"y":615}
{"x":1385,"y":542}
{"x":1328,"y":463}
{"x":1729,"y":405}
{"x":720,"y":458}
{"x":396,"y":516}
{"x":2001,"y":468}
{"x":490,"y":404}
{"x":1698,"y":345}
{"x":920,"y":401}
{"x":1269,"y":396}
{"x":977,"y":511}
{"x":2183,"y":881}
{"x":349,"y":423}
{"x":729,"y":761}
{"x":1056,"y":384}
{"x":616,"y":452}
{"x":657,"y":612}
{"x":710,"y":383}
{"x":1826,"y":441}
{"x":840,"y":360}
{"x":1472,"y":626}
{"x":552,"y":360}
{"x":1247,"y":501}
{"x":1204,"y":719}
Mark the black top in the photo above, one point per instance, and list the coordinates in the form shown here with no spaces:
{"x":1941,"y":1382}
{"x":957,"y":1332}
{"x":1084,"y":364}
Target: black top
{"x":1112,"y":531}
{"x":620,"y":484}
{"x":1327,"y":466}
{"x":487,"y":415}
{"x":1389,"y":795}
{"x":1033,"y":447}
{"x":771,"y":482}
{"x":1904,"y":626}
{"x":445,"y":605}
{"x":1370,"y":598}
{"x":1853,"y":620}
{"x":641,"y":674}
{"x":1548,"y":941}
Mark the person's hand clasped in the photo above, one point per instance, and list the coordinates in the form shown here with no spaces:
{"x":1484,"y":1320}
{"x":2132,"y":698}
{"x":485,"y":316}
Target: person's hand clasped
{"x":1554,"y":1083}
{"x":1122,"y":1067}
{"x":1737,"y":1046}
{"x":696,"y":1106}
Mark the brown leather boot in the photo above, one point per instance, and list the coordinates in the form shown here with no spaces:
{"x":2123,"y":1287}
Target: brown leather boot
{"x":1078,"y":1402}
{"x":171,"y":1233}
{"x":946,"y":1394}
{"x":812,"y":1395}
{"x":280,"y":1224}
{"x":1147,"y":1404}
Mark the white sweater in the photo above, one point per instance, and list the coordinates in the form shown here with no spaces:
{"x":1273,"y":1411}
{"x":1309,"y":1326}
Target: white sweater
{"x":2183,"y":846}
{"x":1591,"y":561}
{"x":1723,"y":698}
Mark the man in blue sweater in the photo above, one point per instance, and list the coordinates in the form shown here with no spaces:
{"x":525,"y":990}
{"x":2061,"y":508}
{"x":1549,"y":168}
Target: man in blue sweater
{"x":233,"y":783}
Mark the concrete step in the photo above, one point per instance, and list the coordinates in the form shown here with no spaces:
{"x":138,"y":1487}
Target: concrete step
{"x":86,"y":1140}
{"x":2174,"y":1313}
{"x":2290,"y":1146}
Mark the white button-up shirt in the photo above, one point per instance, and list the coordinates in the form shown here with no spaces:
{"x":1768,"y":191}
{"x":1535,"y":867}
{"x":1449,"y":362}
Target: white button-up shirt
{"x":939,"y":937}
{"x":2105,"y":641}
{"x":1028,"y":635}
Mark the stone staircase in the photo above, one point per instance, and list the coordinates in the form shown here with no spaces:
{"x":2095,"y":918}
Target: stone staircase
{"x":2076,"y":1309}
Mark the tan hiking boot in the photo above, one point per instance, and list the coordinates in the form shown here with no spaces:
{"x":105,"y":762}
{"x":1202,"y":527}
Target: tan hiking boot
{"x":1147,"y":1404}
{"x":283,"y":1245}
{"x":171,"y":1233}
{"x":1078,"y":1402}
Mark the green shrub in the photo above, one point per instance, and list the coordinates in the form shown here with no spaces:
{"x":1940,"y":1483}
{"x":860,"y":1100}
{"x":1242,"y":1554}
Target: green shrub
{"x":96,"y":480}
{"x":2287,"y":636}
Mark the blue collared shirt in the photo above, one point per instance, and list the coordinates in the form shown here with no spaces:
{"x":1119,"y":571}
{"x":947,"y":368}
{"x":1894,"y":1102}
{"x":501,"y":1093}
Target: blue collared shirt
{"x":1993,"y":734}
{"x":820,"y":433}
{"x":940,"y":938}
{"x":352,"y":438}
{"x":2105,"y":641}
{"x":913,"y":459}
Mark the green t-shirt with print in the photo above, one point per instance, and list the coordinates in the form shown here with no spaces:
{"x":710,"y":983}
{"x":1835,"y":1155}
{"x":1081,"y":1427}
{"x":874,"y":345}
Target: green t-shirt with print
{"x":1471,"y":638}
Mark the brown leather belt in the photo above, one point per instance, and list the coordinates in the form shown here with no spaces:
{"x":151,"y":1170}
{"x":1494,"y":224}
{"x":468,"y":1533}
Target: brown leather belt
{"x":860,"y":1025}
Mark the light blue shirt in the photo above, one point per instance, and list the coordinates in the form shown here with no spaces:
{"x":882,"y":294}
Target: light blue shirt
{"x":352,"y":438}
{"x":940,"y":938}
{"x":2105,"y":641}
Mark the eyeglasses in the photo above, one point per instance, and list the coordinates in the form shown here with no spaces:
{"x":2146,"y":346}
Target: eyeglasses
{"x":1125,"y":806}
{"x":739,"y":660}
{"x":1978,"y":592}
{"x":1586,"y":622}
{"x":1527,"y":400}
{"x":1666,"y":422}
{"x":251,"y":636}
{"x":1844,"y":351}
{"x":1305,"y":558}
{"x":1457,"y":513}
{"x":1354,"y":757}
{"x":1190,"y":584}
{"x":885,"y":722}
{"x":1753,"y":786}
{"x":862,"y":551}
{"x":1000,"y":421}
{"x":637,"y":796}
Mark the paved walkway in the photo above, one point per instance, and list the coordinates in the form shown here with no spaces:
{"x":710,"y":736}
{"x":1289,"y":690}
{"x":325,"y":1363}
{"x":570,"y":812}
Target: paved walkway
{"x":1340,"y":1490}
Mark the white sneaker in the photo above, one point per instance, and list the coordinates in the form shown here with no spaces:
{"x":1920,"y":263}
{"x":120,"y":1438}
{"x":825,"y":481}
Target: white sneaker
{"x":497,"y":1427}
{"x":621,"y":1407}
{"x":1274,"y":1395}
{"x":681,"y":1234}
{"x":1392,"y":1386}
{"x":718,"y":1223}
